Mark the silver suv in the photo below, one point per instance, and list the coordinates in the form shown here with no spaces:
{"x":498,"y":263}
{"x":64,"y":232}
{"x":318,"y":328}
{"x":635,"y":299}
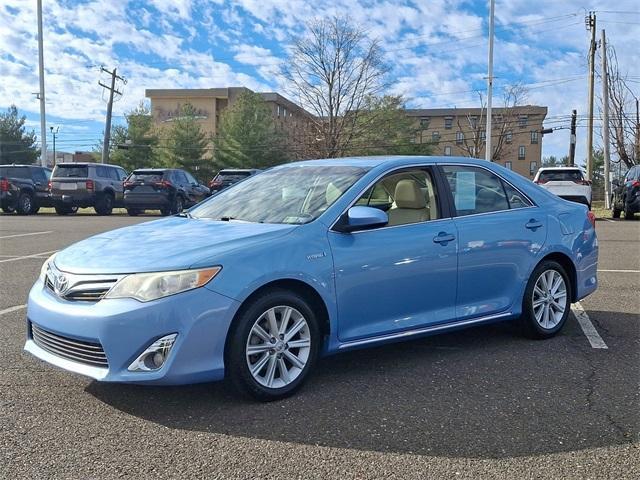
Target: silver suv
{"x":82,"y":185}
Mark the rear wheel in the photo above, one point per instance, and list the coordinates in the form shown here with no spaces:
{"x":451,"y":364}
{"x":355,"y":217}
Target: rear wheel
{"x":273,"y":346}
{"x":8,"y":209}
{"x":178,"y":205}
{"x":628,"y":215}
{"x":25,"y":205}
{"x":547,"y":301}
{"x":104,"y":204}
{"x":616,"y":212}
{"x":133,"y":212}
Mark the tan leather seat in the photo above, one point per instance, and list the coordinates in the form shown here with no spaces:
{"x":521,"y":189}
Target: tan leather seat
{"x":410,"y":204}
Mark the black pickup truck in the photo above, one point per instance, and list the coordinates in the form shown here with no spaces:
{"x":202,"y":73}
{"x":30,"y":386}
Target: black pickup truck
{"x":24,"y":188}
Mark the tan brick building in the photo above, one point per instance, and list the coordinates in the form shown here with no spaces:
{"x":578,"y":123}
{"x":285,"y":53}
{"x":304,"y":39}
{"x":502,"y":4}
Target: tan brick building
{"x":290,"y":119}
{"x":516,"y":138}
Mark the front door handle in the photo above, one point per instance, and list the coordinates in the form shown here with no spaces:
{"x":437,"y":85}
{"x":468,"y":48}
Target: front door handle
{"x":533,"y":224}
{"x":443,"y":238}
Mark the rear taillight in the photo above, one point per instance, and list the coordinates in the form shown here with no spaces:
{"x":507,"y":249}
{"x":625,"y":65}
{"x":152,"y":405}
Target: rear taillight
{"x":163,"y":184}
{"x":49,"y":185}
{"x":582,"y":182}
{"x":215,"y":183}
{"x":4,"y":185}
{"x":592,"y":218}
{"x":541,"y":181}
{"x":126,"y":184}
{"x":635,"y":184}
{"x":90,"y":185}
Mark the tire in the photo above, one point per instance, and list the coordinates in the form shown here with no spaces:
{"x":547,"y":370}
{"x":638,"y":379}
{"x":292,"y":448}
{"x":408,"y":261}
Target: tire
{"x":616,"y":212}
{"x":537,"y":323}
{"x":8,"y":209}
{"x":178,"y":205}
{"x":104,"y":204}
{"x":276,"y":375}
{"x":25,"y":205}
{"x":133,"y":212}
{"x":165,"y":211}
{"x":628,"y":215}
{"x":35,"y":210}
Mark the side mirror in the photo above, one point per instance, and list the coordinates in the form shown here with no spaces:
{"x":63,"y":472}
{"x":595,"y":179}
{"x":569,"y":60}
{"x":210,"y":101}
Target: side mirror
{"x":361,"y":218}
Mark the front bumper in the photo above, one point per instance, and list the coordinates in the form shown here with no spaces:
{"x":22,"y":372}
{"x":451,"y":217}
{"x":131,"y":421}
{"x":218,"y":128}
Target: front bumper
{"x":126,"y":327}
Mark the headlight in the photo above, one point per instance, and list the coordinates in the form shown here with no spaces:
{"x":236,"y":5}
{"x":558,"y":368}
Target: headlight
{"x":151,"y":286}
{"x":45,"y":266}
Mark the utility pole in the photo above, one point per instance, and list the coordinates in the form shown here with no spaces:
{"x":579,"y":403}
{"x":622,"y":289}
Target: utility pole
{"x":590,"y":22}
{"x":605,"y":121}
{"x":54,"y":133}
{"x":572,"y":139}
{"x":107,"y":127}
{"x":637,"y":133}
{"x":43,"y":116}
{"x":488,"y":134}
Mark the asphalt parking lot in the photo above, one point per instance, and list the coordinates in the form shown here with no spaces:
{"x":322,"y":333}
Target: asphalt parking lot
{"x":483,"y":402}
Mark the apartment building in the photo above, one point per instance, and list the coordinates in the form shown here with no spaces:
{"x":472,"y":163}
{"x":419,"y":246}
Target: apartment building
{"x":290,"y":119}
{"x":516,"y":138}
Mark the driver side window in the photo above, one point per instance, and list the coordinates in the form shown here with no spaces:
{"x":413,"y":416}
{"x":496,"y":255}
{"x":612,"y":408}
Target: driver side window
{"x":408,"y":196}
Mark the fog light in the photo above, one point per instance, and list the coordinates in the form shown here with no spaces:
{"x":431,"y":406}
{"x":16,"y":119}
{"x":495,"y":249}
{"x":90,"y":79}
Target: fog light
{"x":154,"y":357}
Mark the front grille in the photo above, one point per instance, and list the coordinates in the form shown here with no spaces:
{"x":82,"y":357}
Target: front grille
{"x":87,"y":288}
{"x":79,"y":351}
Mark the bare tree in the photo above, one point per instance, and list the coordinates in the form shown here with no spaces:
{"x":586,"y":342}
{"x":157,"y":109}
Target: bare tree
{"x":332,"y":70}
{"x":473,"y":127}
{"x":624,"y":131}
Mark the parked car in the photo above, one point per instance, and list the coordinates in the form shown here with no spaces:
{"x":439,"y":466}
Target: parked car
{"x":309,"y":259}
{"x":24,"y":188}
{"x":82,"y":185}
{"x":566,"y":182}
{"x":227,"y":177}
{"x":165,"y":189}
{"x":626,"y":194}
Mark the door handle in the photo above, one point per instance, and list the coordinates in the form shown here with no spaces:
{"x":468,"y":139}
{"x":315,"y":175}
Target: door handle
{"x":444,"y":238}
{"x":533,"y":224}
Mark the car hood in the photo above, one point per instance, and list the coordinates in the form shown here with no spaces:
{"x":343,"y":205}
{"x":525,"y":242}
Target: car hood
{"x":169,"y":244}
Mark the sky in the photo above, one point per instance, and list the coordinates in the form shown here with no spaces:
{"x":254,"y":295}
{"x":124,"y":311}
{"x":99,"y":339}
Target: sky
{"x":437,"y":51}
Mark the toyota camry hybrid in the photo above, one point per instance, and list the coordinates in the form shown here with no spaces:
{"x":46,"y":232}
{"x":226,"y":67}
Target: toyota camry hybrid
{"x":309,"y":259}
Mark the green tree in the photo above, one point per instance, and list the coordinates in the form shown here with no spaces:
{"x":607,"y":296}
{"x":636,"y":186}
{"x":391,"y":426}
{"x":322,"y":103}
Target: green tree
{"x":139,"y":139}
{"x":552,"y":161}
{"x":247,"y":137}
{"x":16,"y":144}
{"x":383,"y":128}
{"x":186,"y":145}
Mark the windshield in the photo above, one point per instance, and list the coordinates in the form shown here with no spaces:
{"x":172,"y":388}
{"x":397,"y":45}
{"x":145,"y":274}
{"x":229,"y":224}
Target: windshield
{"x":569,"y":175}
{"x":294,"y":194}
{"x":63,"y":171}
{"x":150,"y":177}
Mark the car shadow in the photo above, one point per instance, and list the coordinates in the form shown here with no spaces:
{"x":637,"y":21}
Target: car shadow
{"x":482,"y":392}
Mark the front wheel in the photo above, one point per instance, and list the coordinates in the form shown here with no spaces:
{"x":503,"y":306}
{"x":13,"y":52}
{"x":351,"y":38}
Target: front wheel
{"x":178,"y":205}
{"x":104,"y":205}
{"x":25,"y":204}
{"x":547,"y":301}
{"x":273,"y":346}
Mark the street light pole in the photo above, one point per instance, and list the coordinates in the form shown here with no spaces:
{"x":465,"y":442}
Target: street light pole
{"x":54,"y":133}
{"x":43,"y":117}
{"x":488,"y":133}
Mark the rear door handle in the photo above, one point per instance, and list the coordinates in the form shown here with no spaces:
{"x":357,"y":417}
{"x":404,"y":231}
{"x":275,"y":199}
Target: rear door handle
{"x":444,"y":238}
{"x":533,"y":224}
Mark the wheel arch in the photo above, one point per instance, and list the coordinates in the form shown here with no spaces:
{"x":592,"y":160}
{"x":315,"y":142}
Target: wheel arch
{"x":302,"y":288}
{"x":565,"y":261}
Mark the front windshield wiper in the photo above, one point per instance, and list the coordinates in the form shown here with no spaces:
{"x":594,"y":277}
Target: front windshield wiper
{"x":184,"y":215}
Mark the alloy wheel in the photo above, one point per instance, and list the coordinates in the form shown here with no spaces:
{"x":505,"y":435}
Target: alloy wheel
{"x":550,"y":299}
{"x":278,"y":347}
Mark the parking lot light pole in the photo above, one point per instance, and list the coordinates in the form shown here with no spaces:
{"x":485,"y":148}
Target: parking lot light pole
{"x":43,"y":117}
{"x":54,"y":133}
{"x":487,"y":153}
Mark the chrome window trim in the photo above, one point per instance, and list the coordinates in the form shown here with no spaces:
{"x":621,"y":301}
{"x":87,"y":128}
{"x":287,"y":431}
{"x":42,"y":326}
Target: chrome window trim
{"x":371,"y":184}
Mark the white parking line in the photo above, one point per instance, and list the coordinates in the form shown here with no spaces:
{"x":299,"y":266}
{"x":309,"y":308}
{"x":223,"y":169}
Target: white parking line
{"x":587,"y":327}
{"x":24,"y":234}
{"x":35,"y":255}
{"x":12,"y":309}
{"x":608,"y":220}
{"x":620,"y":271}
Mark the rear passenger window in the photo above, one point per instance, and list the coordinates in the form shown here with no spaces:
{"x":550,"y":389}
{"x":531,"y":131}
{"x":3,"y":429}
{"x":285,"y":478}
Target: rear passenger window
{"x":475,"y":190}
{"x":39,"y":175}
{"x":113,"y":174}
{"x":515,"y":198}
{"x":102,"y":172}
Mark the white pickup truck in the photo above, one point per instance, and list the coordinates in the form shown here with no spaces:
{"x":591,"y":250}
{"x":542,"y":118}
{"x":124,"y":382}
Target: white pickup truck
{"x":566,"y":182}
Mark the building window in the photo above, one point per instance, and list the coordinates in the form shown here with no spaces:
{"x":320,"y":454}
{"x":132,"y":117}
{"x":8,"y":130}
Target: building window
{"x":459,"y":138}
{"x":521,"y":152}
{"x":474,"y":122}
{"x":435,"y":136}
{"x":424,"y":122}
{"x":284,"y":112}
{"x":522,"y":121}
{"x":534,"y":136}
{"x":508,"y":136}
{"x":497,"y":120}
{"x":508,"y":165}
{"x":447,"y":151}
{"x":448,"y":123}
{"x":533,"y":168}
{"x":278,"y":110}
{"x":483,"y":136}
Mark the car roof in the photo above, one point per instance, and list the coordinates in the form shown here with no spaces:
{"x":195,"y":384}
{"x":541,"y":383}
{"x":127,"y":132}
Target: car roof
{"x":138,"y":170}
{"x":86,"y":164}
{"x":386,"y":160}
{"x":249,"y":170}
{"x":560,"y":168}
{"x":20,"y":165}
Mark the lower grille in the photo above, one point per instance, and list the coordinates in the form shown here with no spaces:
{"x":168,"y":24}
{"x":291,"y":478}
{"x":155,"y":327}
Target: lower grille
{"x":77,"y":350}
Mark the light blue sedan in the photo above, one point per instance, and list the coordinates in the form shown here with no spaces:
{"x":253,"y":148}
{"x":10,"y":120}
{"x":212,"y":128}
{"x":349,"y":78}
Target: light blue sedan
{"x":309,"y":259}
